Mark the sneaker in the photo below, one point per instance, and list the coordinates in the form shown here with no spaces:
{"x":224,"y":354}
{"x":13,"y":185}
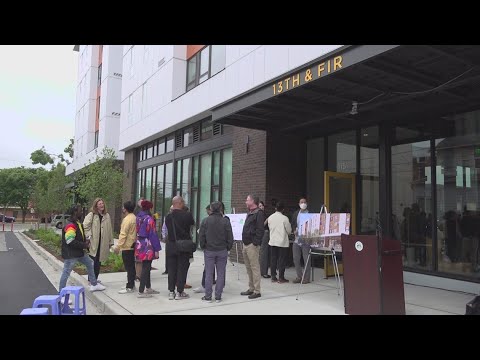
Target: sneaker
{"x":246,"y":293}
{"x":171,"y":296}
{"x":187,"y":286}
{"x":98,"y":287}
{"x":199,"y":290}
{"x":283,"y":281}
{"x":218,"y":300}
{"x":181,"y":296}
{"x":144,"y":295}
{"x":297,"y":281}
{"x":254,"y":296}
{"x":151,"y":291}
{"x":126,"y":291}
{"x":305,"y":281}
{"x":207,"y":299}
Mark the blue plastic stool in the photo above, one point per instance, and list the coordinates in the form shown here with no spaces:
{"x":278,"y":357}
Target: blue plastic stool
{"x":34,"y":311}
{"x":52,"y":300}
{"x":65,"y":294}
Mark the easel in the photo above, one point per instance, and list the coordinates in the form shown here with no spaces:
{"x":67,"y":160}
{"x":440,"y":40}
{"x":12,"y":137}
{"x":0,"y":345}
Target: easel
{"x":326,"y":252}
{"x":236,"y":250}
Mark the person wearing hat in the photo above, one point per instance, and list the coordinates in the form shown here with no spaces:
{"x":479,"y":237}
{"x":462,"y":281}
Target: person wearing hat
{"x":147,"y":247}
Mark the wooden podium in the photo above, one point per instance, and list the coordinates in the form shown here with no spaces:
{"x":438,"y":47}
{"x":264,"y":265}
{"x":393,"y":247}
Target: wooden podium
{"x":372,"y":276}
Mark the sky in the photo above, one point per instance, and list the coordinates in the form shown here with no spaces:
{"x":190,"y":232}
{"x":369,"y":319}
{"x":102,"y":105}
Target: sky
{"x":37,"y":100}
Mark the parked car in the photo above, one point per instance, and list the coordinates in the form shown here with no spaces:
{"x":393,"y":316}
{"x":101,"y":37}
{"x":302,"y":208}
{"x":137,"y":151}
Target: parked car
{"x":59,"y":220}
{"x":8,"y":219}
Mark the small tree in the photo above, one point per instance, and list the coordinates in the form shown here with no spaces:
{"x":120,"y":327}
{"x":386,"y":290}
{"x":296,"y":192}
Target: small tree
{"x":19,"y":186}
{"x":102,"y":178}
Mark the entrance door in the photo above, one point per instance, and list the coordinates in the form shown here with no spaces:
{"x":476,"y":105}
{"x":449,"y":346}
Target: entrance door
{"x":340,"y":195}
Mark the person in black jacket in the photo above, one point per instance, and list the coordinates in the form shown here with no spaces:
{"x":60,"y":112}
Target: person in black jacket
{"x":265,"y":250}
{"x":75,"y":248}
{"x":252,"y":235}
{"x":216,"y":239}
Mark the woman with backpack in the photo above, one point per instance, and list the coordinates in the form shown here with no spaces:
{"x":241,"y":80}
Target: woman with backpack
{"x":147,"y":247}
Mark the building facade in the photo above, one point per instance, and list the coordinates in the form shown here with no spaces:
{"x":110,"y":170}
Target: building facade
{"x":388,"y":133}
{"x":97,"y":114}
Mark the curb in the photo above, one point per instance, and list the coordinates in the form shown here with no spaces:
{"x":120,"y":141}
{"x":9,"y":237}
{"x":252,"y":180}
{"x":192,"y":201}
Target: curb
{"x":104,"y":304}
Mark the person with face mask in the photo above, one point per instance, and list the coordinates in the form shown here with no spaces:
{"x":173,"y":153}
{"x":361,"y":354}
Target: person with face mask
{"x":299,"y":248}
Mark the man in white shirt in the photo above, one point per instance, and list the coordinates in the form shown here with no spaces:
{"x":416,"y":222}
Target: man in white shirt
{"x":280,"y":228}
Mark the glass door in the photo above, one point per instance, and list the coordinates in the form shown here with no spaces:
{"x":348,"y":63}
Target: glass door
{"x":340,"y":195}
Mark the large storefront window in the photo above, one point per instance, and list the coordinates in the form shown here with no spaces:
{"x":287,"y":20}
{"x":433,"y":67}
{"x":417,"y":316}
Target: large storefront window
{"x":205,"y":183}
{"x":315,"y":173}
{"x":342,"y":152}
{"x":369,"y":180}
{"x":458,"y":194}
{"x":411,"y":197}
{"x":199,"y":180}
{"x":227,"y":180}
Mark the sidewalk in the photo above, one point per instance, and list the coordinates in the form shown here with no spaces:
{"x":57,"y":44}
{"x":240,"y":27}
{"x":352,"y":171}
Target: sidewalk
{"x":317,"y":298}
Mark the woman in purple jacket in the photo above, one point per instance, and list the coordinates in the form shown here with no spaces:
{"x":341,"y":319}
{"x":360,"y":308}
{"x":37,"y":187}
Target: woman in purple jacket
{"x":147,"y":247}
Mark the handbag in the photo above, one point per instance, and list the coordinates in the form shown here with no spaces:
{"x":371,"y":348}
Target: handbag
{"x":183,"y":246}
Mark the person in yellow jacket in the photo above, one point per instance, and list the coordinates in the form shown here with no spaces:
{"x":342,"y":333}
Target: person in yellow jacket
{"x":98,"y":228}
{"x":126,"y":244}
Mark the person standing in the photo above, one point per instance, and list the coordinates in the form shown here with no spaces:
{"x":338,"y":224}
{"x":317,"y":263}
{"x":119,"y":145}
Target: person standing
{"x":126,"y":244}
{"x":138,"y":264}
{"x":280,"y":228}
{"x":165,"y":240}
{"x":216,"y":239}
{"x":252,"y":234}
{"x":98,"y":228}
{"x":75,"y":248}
{"x":147,"y":247}
{"x":265,"y":251}
{"x":201,"y":289}
{"x":179,"y":224}
{"x":299,"y":247}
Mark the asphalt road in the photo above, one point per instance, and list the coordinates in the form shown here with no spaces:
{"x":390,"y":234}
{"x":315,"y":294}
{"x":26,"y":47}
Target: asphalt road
{"x":21,"y":279}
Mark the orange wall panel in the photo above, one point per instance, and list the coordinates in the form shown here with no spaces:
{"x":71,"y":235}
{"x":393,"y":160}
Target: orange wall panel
{"x":193,"y":49}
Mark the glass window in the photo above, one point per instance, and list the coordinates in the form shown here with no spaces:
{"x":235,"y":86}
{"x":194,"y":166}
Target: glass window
{"x":204,"y":64}
{"x":187,"y":137}
{"x":186,"y":180}
{"x":342,"y":152}
{"x":458,"y":194}
{"x":315,"y":173}
{"x":216,"y":168}
{"x":227,"y":180}
{"x":161,"y":146}
{"x":215,"y":194}
{"x":149,"y":151}
{"x":218,"y":59}
{"x":411,"y":200}
{"x":205,"y":183}
{"x":191,"y":72}
{"x":207,"y":129}
{"x":195,"y":172}
{"x":178,"y":188}
{"x":142,"y":182}
{"x":148,"y":185}
{"x":369,"y":177}
{"x":139,"y":186}
{"x":168,"y":187}
{"x":160,"y":182}
{"x":170,"y":143}
{"x":99,"y":80}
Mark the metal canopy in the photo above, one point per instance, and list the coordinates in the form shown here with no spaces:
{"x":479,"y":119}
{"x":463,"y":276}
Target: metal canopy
{"x":324,"y":105}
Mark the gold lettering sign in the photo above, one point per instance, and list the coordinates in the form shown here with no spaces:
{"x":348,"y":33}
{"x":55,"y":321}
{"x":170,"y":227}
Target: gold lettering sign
{"x":327,"y":67}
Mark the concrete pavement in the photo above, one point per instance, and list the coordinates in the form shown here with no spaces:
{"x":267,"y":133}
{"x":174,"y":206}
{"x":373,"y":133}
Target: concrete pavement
{"x":318,"y":298}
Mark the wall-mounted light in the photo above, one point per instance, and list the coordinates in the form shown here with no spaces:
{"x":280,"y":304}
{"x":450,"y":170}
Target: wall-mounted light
{"x":354,"y":108}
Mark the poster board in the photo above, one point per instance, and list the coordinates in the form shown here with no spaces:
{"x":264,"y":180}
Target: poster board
{"x":321,"y":230}
{"x":237,"y":221}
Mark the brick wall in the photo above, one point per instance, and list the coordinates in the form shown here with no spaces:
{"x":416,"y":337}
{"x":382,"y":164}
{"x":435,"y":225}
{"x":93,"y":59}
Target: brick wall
{"x":248,"y":170}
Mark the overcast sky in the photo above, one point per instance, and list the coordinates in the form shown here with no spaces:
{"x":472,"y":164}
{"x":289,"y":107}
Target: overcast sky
{"x":37,"y":100}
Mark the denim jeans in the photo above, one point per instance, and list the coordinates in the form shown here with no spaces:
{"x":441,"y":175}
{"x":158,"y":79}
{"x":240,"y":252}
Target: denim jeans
{"x":68,"y":265}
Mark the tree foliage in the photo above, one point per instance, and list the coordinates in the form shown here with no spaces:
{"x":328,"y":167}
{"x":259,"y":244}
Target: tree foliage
{"x":101,"y":178}
{"x":41,"y":156}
